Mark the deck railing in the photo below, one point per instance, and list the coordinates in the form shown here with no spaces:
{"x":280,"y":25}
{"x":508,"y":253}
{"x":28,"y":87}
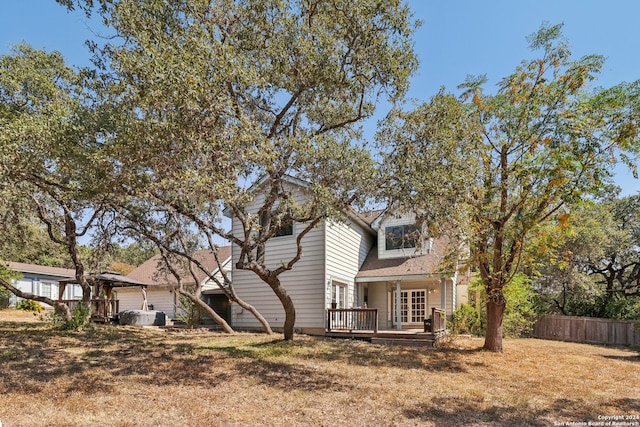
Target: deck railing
{"x":101,"y":309}
{"x":352,"y":319}
{"x":438,"y":320}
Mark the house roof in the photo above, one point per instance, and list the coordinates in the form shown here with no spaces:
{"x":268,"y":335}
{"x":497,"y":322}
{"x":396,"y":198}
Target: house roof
{"x":363,"y":218}
{"x":421,"y":266}
{"x":114,"y":280}
{"x":153,"y":273}
{"x":371,"y":216}
{"x":40,"y":269}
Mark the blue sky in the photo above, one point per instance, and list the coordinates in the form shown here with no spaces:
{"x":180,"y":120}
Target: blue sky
{"x":457,"y":38}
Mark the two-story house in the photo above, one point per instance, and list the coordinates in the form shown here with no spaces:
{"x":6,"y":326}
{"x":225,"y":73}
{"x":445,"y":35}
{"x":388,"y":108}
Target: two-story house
{"x":375,"y":260}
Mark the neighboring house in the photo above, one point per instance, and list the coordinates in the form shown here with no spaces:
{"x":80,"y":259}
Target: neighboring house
{"x":43,"y":281}
{"x":363,"y":261}
{"x":161,"y":285}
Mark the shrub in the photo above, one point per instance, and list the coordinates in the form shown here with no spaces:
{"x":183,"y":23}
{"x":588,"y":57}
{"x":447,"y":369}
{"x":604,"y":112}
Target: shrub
{"x":519,"y":314}
{"x":80,"y":318}
{"x":29,"y":305}
{"x":4,"y":297}
{"x":189,"y":313}
{"x":465,"y":320}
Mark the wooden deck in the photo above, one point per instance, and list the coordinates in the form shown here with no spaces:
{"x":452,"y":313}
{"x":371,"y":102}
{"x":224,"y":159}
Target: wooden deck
{"x":410,"y":338}
{"x":362,"y":324}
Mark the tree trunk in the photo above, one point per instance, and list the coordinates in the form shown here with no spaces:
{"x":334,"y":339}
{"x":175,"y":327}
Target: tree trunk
{"x":211,"y":312}
{"x":251,"y":309}
{"x":287,"y":304}
{"x":495,"y":313}
{"x":60,"y":309}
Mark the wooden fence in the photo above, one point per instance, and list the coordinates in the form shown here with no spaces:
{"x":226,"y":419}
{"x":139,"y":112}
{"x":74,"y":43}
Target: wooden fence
{"x":589,"y":330}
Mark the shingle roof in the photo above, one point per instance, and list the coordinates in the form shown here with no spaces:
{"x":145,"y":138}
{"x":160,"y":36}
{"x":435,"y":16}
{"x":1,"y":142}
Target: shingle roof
{"x":422,"y":265}
{"x":40,"y":269}
{"x":371,"y":216}
{"x":152,"y":271}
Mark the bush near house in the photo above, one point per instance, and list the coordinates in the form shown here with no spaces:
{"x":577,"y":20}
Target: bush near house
{"x":4,"y":298}
{"x":29,"y":305}
{"x":519,"y":315}
{"x":80,"y":318}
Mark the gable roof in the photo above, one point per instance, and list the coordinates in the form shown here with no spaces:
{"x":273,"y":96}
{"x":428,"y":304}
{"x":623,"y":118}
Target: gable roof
{"x":364,"y":219}
{"x":374,"y":269}
{"x":153,"y":273}
{"x":370,"y":216}
{"x":63,"y":273}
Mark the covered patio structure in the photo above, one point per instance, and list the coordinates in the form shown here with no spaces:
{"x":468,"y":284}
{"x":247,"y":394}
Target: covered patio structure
{"x":104,"y":307}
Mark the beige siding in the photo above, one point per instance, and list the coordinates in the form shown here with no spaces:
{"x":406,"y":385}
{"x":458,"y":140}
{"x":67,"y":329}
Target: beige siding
{"x":378,"y":298}
{"x":347,"y":246}
{"x":305,"y":282}
{"x":381,"y":296}
{"x":162,"y":298}
{"x":129,"y":298}
{"x":393,"y":220}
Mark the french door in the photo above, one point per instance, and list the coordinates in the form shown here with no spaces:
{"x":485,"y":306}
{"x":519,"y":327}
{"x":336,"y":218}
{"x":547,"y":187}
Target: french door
{"x":413,"y":306}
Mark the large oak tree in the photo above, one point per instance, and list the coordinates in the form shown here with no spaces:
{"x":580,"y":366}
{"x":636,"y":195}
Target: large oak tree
{"x":52,"y":125}
{"x":217,"y":96}
{"x":542,"y":139}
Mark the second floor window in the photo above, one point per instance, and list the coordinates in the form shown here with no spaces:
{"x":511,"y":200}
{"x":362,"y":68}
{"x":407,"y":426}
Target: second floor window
{"x":401,"y":237}
{"x":286,"y":224}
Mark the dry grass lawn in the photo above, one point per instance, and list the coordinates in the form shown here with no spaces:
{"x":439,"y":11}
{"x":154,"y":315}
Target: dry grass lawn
{"x":126,"y":376}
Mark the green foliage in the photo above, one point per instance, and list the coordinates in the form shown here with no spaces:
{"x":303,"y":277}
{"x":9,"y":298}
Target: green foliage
{"x":427,"y":162}
{"x":29,"y":305}
{"x":593,"y":269}
{"x":519,"y":314}
{"x":188,"y":312}
{"x":4,"y":297}
{"x":6,"y":275}
{"x":466,"y":320}
{"x":289,"y":82}
{"x":27,"y":241}
{"x":80,"y":318}
{"x":537,"y":143}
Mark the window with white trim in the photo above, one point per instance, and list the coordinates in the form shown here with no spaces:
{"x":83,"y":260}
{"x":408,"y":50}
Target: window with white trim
{"x":338,"y":294}
{"x":401,"y":237}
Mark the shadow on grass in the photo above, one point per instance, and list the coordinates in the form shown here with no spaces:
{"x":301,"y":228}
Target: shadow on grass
{"x":627,"y":358}
{"x":398,"y":356}
{"x":627,"y":405}
{"x":97,"y":359}
{"x":103,"y":358}
{"x":287,"y":377}
{"x":456,"y":412}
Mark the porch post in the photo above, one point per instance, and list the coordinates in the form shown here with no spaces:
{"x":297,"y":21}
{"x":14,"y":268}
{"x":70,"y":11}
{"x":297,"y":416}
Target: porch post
{"x":398,"y":306}
{"x":443,"y":292}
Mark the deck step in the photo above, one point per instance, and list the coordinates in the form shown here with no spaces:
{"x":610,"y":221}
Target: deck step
{"x":414,"y":342}
{"x":406,"y":335}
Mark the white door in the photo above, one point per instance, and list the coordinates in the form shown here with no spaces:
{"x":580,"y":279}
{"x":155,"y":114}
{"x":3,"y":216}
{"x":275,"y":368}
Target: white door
{"x":339,"y":294}
{"x":413,"y":306}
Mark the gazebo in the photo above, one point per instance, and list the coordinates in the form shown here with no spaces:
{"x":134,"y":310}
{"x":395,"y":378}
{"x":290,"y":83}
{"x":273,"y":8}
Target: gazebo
{"x":103,"y":306}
